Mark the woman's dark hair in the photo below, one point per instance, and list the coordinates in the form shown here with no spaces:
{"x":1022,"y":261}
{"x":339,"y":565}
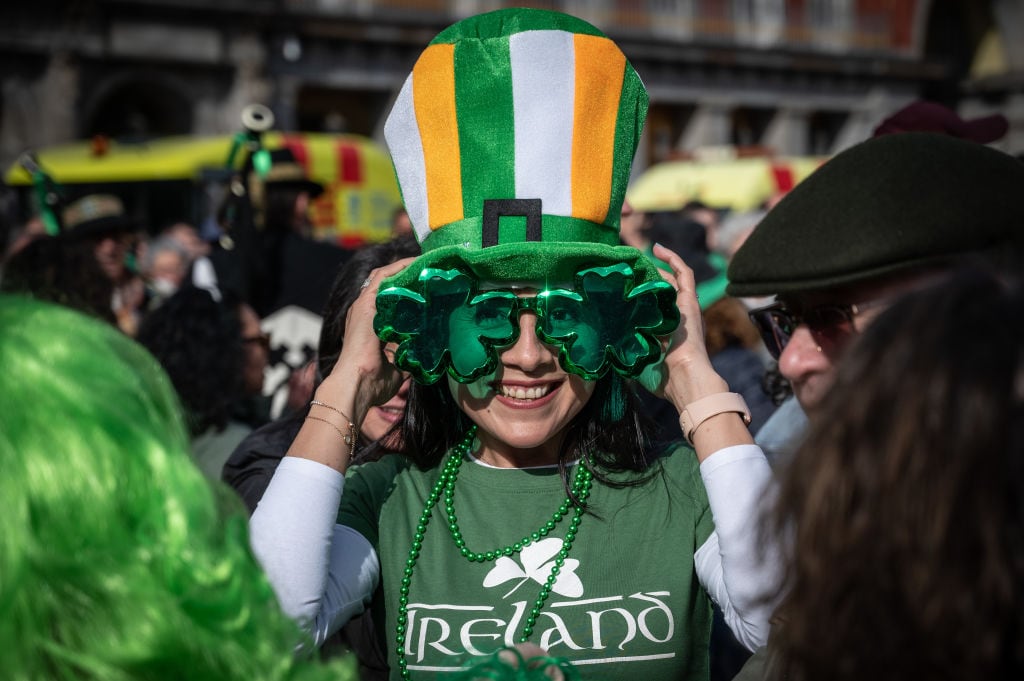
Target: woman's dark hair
{"x":903,"y":513}
{"x":62,"y":271}
{"x":198,"y":341}
{"x":347,"y":287}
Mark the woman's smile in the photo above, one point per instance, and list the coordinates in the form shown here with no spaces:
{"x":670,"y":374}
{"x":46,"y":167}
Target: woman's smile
{"x":526,"y":395}
{"x":524,"y":409}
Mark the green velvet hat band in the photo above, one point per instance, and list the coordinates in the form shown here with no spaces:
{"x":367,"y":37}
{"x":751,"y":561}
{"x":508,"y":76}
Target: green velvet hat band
{"x":506,"y":251}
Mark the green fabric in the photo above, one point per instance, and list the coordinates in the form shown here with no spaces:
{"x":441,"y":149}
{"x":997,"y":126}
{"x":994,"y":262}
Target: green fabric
{"x":628,"y":126}
{"x":634,"y":568}
{"x":486,"y":130}
{"x":883,"y":206}
{"x":551,"y":263}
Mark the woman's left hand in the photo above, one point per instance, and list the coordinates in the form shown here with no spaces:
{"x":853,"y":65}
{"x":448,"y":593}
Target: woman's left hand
{"x":686,"y":373}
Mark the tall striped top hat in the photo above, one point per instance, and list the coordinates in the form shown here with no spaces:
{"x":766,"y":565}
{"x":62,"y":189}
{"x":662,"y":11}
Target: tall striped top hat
{"x":512,"y":140}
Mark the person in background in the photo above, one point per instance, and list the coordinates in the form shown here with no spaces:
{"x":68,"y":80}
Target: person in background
{"x":120,"y":560}
{"x":251,"y":466}
{"x":902,"y":513}
{"x":733,"y":231}
{"x":188,"y":236}
{"x":254,"y":460}
{"x":99,"y":224}
{"x":736,"y":353}
{"x":708,"y":216}
{"x":732,"y":341}
{"x":164,"y":265}
{"x":21,"y":235}
{"x":294,"y":269}
{"x":202,"y":272}
{"x":214,"y":353}
{"x":48,"y":268}
{"x":400,"y":224}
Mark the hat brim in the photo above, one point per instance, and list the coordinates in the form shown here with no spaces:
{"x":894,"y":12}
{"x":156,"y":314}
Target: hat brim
{"x":545,"y":264}
{"x":890,"y":204}
{"x":100,"y":226}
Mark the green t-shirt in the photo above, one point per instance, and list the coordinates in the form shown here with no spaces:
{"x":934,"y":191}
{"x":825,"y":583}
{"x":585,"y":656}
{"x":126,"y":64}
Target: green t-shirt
{"x":627,"y":604}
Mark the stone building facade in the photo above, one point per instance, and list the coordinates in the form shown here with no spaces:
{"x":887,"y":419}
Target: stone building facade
{"x":793,"y":76}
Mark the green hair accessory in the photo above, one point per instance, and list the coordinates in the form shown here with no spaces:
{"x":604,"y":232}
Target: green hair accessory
{"x":605,"y":321}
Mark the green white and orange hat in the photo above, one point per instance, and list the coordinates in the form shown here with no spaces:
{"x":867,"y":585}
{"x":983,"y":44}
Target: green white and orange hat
{"x":513,"y":140}
{"x":526,"y":113}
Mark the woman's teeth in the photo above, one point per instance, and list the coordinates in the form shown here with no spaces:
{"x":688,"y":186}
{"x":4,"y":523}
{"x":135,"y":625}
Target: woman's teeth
{"x":520,"y":393}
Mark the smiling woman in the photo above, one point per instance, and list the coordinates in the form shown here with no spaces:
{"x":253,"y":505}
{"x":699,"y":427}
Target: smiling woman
{"x":527,"y":507}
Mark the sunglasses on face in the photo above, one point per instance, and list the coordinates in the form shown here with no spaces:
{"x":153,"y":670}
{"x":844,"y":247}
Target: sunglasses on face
{"x":603,"y":322}
{"x":831,"y":325}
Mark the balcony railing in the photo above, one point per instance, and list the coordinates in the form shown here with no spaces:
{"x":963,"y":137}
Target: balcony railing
{"x":869,"y":26}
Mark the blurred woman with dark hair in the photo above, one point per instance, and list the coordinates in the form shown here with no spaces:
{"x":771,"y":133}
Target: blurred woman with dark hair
{"x":253,"y":462}
{"x":903,"y":512}
{"x":215,"y":354}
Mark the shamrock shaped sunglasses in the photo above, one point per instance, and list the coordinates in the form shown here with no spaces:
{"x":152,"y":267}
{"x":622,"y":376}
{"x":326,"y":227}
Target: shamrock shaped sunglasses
{"x":451,"y":327}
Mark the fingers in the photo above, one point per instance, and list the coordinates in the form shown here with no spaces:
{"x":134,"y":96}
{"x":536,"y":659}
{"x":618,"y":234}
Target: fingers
{"x":365,"y":304}
{"x":682,"y":276}
{"x":376,"y":276}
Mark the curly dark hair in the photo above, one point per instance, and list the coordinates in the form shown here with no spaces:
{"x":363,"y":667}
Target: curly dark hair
{"x":345,"y":290}
{"x":903,"y":512}
{"x":61,"y":271}
{"x":198,"y":341}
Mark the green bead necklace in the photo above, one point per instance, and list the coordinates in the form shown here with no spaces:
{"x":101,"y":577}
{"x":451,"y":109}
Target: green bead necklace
{"x":445,"y":486}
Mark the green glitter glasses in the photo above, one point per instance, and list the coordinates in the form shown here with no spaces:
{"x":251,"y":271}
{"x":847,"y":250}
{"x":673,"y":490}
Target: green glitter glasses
{"x":451,"y":327}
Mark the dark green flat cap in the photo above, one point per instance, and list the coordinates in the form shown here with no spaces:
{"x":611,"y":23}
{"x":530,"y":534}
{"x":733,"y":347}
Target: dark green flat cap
{"x":892,"y":203}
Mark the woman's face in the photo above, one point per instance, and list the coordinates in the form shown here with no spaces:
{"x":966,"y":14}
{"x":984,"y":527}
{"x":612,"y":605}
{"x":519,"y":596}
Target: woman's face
{"x":257,"y":351}
{"x":380,"y":419}
{"x":523,"y":409}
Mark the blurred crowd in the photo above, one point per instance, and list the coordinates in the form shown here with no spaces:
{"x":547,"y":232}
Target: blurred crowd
{"x":885,"y":383}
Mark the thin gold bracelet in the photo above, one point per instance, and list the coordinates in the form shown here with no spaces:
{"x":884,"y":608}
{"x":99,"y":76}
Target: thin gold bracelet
{"x":350,"y":437}
{"x":318,"y":403}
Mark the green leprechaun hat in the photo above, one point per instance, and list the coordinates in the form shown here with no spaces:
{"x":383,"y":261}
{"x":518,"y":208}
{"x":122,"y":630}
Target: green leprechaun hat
{"x":512,"y":140}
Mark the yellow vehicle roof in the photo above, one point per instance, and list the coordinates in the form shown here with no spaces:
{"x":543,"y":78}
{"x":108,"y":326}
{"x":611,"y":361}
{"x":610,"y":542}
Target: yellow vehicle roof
{"x":740,"y":184}
{"x":360,"y":195}
{"x":179,"y":158}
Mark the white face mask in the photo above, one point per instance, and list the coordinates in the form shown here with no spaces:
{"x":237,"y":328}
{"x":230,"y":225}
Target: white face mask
{"x":164,"y":287}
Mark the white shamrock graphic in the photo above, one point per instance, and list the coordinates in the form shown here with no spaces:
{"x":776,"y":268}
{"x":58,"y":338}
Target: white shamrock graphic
{"x":538,"y":559}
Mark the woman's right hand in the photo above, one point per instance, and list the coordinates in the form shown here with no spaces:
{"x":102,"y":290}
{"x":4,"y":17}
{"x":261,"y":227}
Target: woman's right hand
{"x":362,"y":370}
{"x":362,"y":377}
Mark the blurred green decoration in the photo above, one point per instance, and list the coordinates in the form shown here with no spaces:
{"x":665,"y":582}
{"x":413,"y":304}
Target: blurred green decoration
{"x":47,"y":193}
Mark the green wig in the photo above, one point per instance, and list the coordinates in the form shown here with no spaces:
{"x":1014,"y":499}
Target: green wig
{"x":118,"y":561}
